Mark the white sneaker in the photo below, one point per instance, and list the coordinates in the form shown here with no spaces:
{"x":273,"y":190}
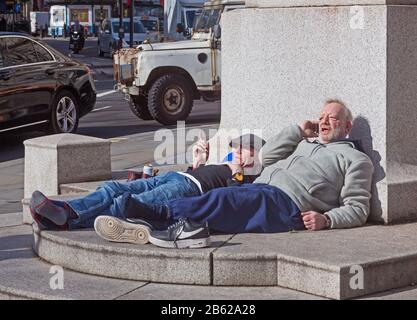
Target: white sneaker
{"x":118,"y":230}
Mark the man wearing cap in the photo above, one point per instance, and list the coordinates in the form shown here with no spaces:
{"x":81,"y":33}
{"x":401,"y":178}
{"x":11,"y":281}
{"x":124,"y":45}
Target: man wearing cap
{"x":124,"y":200}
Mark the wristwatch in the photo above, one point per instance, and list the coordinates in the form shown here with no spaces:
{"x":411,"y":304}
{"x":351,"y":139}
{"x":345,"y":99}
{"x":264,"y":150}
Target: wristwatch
{"x":328,"y":221}
{"x":238,"y":177}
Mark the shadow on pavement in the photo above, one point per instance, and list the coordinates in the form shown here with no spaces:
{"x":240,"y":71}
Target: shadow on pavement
{"x":16,"y":247}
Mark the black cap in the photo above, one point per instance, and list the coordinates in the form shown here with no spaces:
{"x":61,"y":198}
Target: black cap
{"x":247,"y":141}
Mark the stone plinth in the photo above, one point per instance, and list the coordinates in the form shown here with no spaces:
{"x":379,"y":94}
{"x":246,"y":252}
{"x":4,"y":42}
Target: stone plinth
{"x":64,"y":158}
{"x":282,"y":59}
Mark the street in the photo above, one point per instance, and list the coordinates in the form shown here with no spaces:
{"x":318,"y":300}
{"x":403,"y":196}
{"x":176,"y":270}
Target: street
{"x":132,"y":138}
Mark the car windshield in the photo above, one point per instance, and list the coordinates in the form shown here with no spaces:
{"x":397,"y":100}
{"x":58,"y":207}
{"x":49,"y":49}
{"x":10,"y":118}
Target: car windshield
{"x":207,"y":19}
{"x":138,"y":27}
{"x":151,"y":25}
{"x":190,"y":16}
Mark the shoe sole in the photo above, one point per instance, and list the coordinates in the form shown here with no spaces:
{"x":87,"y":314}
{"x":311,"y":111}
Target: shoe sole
{"x":181,"y":244}
{"x":57,"y":217}
{"x":36,"y":220}
{"x":117,"y":230}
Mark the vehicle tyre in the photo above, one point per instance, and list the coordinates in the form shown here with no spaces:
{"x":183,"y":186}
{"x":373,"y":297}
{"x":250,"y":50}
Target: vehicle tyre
{"x":64,"y":113}
{"x":139,"y":107}
{"x":170,"y":99}
{"x":100,"y":53}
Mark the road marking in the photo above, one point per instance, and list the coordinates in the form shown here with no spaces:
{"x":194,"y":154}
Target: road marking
{"x":105,"y":93}
{"x":103,"y":108}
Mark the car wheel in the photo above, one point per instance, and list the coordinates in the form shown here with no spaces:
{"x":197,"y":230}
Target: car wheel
{"x":65,"y":113}
{"x":139,"y":107}
{"x":170,"y":99}
{"x":100,"y":53}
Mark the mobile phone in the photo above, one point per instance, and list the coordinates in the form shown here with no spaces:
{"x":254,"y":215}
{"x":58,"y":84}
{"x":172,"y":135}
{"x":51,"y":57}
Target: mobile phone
{"x":316,"y":128}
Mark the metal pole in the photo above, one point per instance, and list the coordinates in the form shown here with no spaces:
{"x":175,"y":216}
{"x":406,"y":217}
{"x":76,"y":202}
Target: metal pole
{"x":132,"y":6}
{"x":121,"y":30}
{"x":14,"y":14}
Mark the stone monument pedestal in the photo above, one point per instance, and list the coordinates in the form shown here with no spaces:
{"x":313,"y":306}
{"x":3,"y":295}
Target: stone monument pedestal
{"x":292,"y":55}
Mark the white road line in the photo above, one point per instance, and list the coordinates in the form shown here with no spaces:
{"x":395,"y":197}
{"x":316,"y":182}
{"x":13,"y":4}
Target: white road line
{"x":103,"y":108}
{"x":105,"y":93}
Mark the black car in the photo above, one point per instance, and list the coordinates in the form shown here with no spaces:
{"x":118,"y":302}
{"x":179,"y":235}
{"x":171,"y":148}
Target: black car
{"x":41,"y":86}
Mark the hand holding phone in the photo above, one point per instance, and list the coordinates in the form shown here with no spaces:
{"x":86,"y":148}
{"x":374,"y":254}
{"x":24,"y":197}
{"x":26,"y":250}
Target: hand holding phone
{"x":310,"y":128}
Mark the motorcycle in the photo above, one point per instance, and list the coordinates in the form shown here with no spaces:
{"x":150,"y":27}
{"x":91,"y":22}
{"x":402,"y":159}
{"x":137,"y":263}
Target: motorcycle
{"x":76,"y":41}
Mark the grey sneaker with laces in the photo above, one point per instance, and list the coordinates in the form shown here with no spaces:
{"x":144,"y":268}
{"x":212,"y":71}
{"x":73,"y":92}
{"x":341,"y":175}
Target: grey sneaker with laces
{"x":183,"y":234}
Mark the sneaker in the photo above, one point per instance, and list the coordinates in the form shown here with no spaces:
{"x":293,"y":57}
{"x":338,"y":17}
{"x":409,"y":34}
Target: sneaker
{"x":117,"y":230}
{"x":42,"y":222}
{"x":183,"y":234}
{"x":44,"y":207}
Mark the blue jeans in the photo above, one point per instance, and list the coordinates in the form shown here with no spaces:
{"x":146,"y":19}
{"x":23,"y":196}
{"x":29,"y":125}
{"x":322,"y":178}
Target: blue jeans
{"x":257,"y":207}
{"x":111,"y":198}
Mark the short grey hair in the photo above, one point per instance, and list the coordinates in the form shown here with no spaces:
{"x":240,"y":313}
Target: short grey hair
{"x":348,"y":113}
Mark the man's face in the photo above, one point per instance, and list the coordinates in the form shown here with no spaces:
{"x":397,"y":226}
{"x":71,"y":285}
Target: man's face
{"x":333,"y":124}
{"x":243,"y":156}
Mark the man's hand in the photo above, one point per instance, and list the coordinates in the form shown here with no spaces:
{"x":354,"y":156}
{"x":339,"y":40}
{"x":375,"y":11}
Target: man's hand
{"x":314,"y":221}
{"x":310,"y":128}
{"x":200,"y":152}
{"x":235,"y":168}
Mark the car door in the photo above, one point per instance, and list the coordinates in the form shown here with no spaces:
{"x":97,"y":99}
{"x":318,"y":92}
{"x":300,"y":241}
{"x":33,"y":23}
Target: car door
{"x":6,"y":92}
{"x":34,"y":75}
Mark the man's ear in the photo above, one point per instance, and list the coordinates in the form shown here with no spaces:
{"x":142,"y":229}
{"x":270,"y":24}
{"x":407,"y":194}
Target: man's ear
{"x":349,"y":125}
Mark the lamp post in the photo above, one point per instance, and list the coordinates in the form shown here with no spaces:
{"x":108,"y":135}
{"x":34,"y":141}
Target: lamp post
{"x":131,"y":10}
{"x":121,"y":29}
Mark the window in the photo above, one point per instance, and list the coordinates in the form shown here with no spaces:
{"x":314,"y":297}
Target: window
{"x":208,"y":19}
{"x":19,"y":51}
{"x":81,"y":14}
{"x":42,"y":53}
{"x":150,"y":25}
{"x":100,"y":15}
{"x":138,"y":27}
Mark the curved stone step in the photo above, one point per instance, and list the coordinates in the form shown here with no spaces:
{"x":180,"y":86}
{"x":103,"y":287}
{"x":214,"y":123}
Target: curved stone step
{"x":24,"y":276}
{"x":84,"y":251}
{"x":322,"y":263}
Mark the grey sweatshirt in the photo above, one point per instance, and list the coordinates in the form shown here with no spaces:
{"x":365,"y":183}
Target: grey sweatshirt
{"x":332,"y":178}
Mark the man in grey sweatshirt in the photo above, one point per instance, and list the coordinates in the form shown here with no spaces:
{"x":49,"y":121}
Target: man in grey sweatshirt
{"x":313,"y":178}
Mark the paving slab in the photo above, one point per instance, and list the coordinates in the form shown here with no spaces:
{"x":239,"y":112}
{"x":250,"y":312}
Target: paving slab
{"x":84,"y":251}
{"x":158,"y":291}
{"x":11,"y":219}
{"x":24,"y":275}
